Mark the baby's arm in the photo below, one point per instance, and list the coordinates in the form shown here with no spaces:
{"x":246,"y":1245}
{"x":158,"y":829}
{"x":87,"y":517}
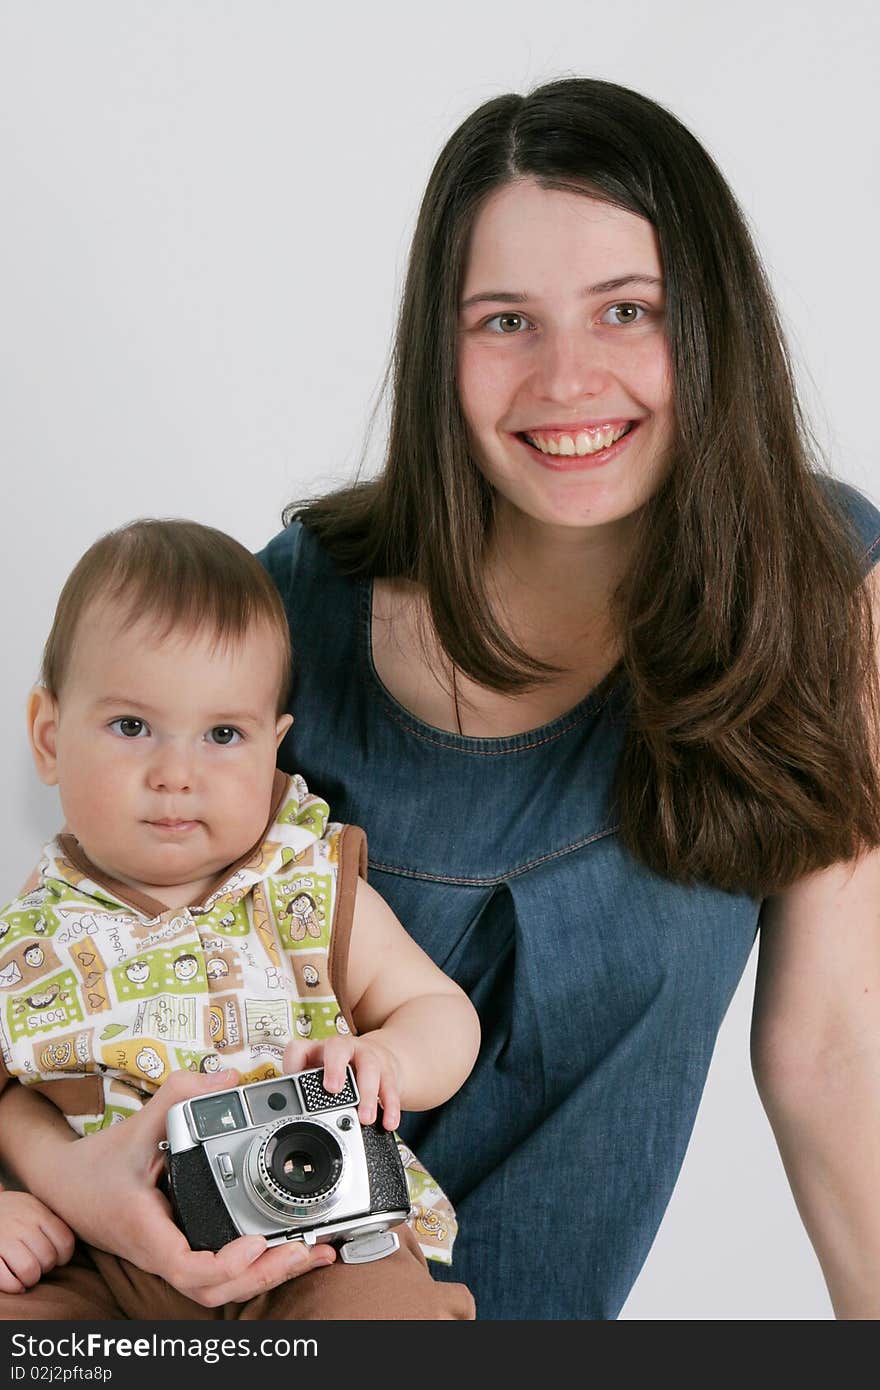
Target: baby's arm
{"x":33,"y":1240}
{"x":418,"y":1033}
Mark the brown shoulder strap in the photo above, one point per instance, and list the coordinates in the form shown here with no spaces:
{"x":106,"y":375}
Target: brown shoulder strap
{"x":74,"y":1095}
{"x":352,"y":865}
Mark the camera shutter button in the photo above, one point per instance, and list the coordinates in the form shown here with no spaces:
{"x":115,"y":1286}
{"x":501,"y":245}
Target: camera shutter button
{"x":227,"y":1172}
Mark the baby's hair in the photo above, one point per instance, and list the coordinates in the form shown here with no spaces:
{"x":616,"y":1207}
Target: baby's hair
{"x":179,"y":574}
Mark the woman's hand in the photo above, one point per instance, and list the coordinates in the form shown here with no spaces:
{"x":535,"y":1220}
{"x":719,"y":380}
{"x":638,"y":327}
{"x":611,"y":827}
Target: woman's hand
{"x":33,"y":1240}
{"x":106,"y":1189}
{"x":375,"y":1066}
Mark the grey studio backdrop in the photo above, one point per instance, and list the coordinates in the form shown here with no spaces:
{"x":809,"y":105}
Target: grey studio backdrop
{"x":206,"y":209}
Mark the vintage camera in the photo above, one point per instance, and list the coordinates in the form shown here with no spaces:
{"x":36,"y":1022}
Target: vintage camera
{"x":287,"y":1160}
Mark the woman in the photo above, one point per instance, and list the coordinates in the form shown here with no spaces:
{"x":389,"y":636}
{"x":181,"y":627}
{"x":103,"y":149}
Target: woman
{"x":592,"y":662}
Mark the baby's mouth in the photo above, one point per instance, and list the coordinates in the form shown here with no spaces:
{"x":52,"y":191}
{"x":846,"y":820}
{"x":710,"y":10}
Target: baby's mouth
{"x":578,"y":443}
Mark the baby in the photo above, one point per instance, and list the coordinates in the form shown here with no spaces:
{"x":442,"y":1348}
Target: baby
{"x":202,"y":924}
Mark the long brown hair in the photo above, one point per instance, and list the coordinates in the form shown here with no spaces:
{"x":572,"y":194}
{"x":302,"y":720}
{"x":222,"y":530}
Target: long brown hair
{"x":744,"y":626}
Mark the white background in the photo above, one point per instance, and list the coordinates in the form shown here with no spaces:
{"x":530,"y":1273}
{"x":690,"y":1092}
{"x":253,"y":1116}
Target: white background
{"x":204,"y":222}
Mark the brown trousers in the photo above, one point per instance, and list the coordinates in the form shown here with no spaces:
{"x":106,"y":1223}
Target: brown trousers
{"x":96,"y":1286}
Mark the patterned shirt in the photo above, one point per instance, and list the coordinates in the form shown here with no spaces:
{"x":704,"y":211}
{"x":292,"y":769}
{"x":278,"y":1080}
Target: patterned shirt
{"x":104,"y":991}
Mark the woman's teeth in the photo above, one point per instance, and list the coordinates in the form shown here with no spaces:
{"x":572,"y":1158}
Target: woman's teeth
{"x":583,"y":442}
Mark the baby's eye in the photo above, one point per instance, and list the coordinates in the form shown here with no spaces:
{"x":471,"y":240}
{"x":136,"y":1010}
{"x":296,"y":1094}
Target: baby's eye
{"x":621,"y":314}
{"x":224,"y":734}
{"x":507,"y":323}
{"x":129,"y":727}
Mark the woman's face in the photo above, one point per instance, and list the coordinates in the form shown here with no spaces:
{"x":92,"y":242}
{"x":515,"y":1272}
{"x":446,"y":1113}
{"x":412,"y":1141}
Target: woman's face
{"x":563,"y":364}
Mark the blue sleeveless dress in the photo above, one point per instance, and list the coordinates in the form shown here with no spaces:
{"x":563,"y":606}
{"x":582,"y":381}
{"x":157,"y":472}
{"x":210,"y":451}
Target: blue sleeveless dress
{"x":600,"y":986}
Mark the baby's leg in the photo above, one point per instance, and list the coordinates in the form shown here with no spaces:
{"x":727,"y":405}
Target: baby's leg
{"x":398,"y":1288}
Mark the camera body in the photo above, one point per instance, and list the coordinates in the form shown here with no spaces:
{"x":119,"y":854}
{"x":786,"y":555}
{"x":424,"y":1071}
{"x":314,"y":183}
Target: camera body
{"x":287,"y":1160}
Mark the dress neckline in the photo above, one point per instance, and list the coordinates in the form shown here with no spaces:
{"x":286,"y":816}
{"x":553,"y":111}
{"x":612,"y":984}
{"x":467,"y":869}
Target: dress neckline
{"x":609,"y":686}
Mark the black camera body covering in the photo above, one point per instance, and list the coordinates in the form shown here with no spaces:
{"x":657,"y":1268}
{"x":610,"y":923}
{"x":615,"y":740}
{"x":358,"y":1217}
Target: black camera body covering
{"x":287,"y":1160}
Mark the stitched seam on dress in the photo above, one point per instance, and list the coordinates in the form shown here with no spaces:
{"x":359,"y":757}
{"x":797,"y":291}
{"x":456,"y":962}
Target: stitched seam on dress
{"x":498,"y":878}
{"x":498,"y":752}
{"x":295,"y":555}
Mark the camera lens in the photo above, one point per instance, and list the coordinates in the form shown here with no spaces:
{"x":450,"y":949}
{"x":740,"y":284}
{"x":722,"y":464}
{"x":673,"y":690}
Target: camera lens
{"x":277,"y":1100}
{"x":304,"y":1160}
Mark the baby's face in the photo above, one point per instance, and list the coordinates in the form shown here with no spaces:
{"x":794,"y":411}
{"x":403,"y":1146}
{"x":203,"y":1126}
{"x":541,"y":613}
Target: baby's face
{"x":164,"y":751}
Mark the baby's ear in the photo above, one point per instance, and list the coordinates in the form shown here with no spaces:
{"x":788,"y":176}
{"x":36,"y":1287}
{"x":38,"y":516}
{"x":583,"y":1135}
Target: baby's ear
{"x":281,"y":727}
{"x":42,"y":722}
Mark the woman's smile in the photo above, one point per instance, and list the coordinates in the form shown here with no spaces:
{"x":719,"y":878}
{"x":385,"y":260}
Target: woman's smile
{"x":567,"y":448}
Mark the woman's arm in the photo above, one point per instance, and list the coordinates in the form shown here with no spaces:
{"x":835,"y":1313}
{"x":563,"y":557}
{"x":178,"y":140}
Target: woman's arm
{"x":104,"y":1187}
{"x":816,"y":1062}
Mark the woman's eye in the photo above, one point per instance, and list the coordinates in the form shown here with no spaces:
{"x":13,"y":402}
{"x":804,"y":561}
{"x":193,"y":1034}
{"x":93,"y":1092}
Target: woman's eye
{"x":624,"y":313}
{"x":224,"y":734}
{"x":129,"y":727}
{"x":507,"y":323}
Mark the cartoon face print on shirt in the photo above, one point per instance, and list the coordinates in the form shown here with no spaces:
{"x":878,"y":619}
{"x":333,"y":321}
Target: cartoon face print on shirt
{"x":303,"y":917}
{"x":171,"y":969}
{"x":303,"y":1025}
{"x":138,"y":971}
{"x":186,"y":967}
{"x":28,"y":961}
{"x":223,"y":965}
{"x":150,"y":1063}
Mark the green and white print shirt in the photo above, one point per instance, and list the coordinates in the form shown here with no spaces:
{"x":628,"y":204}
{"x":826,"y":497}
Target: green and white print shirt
{"x":104,"y":991}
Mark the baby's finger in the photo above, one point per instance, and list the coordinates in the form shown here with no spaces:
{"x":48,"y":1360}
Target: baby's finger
{"x":61,"y":1236}
{"x":42,"y":1249}
{"x":389,"y":1097}
{"x":337,"y":1055}
{"x":9,"y":1282}
{"x":22,"y":1262}
{"x":300,"y":1054}
{"x":369,"y":1073}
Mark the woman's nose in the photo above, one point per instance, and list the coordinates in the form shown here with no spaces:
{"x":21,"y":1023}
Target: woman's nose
{"x":568,"y":367}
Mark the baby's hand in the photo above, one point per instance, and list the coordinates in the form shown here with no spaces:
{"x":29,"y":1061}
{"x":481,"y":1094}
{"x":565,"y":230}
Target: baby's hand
{"x":375,"y":1067}
{"x":33,"y":1240}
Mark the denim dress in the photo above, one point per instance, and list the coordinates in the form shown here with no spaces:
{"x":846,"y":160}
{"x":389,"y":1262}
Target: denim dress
{"x":599,"y":985}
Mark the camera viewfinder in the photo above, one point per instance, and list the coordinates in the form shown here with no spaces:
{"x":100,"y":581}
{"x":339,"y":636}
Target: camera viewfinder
{"x":221,"y":1114}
